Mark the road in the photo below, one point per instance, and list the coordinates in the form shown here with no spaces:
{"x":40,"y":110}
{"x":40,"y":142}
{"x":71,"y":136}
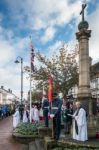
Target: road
{"x":6,"y":140}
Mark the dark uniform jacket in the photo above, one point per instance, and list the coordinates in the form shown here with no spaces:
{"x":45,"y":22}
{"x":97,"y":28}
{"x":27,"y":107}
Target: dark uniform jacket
{"x":45,"y":106}
{"x":56,"y":106}
{"x":65,"y":116}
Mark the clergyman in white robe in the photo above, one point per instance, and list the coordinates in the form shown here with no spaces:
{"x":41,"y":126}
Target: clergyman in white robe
{"x":16,"y":118}
{"x":81,"y":124}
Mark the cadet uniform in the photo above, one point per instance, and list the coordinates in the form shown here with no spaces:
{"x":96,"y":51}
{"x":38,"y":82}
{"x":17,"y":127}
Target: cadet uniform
{"x":56,"y":110}
{"x":45,"y":108}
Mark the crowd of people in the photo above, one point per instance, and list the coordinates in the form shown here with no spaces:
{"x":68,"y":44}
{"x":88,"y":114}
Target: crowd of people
{"x":5,"y":111}
{"x":24,"y":115}
{"x":72,"y":116}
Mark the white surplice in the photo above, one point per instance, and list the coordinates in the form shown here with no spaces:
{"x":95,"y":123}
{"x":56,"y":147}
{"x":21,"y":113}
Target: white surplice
{"x":16,"y":119}
{"x":82,"y":126}
{"x":32,"y":113}
{"x":36,"y":115}
{"x":25,"y":118}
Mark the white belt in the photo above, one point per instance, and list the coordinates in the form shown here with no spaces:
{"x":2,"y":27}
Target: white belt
{"x":55,"y":108}
{"x":46,"y":107}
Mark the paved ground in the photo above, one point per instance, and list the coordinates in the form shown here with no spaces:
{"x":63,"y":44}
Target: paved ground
{"x":8,"y":143}
{"x":6,"y":140}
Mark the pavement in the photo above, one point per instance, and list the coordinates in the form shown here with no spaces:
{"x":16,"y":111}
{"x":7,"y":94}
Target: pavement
{"x":8,"y":143}
{"x":6,"y":140}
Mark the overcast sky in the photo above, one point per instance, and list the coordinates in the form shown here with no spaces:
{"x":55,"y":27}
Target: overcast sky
{"x":50,"y":23}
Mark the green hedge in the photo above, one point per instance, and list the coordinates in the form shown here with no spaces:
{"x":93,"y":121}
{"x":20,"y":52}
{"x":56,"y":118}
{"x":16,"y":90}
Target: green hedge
{"x":28,"y":128}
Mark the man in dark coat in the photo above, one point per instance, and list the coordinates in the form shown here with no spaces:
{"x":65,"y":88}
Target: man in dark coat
{"x":45,"y":107}
{"x":67,"y":119}
{"x":21,"y":110}
{"x":56,"y":111}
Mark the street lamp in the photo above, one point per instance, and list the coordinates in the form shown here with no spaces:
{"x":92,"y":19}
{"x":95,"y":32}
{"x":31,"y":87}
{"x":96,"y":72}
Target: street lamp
{"x":20,"y":60}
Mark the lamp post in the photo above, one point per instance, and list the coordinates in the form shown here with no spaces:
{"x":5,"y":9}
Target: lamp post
{"x":20,"y":60}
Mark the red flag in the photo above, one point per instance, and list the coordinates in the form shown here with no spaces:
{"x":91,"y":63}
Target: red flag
{"x":50,"y":89}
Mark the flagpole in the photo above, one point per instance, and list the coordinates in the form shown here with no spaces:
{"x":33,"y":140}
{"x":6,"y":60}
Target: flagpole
{"x":30,"y":83}
{"x":30,"y":97}
{"x":50,"y":99}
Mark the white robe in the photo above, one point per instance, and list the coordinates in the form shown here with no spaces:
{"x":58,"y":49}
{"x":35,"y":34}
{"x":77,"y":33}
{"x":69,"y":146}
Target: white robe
{"x":41,"y":112}
{"x":25,"y":119}
{"x":36,"y":115}
{"x":82,"y":126}
{"x":16,"y":119}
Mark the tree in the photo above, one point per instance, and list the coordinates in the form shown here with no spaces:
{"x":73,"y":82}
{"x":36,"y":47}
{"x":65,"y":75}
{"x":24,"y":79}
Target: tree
{"x":63,"y":68}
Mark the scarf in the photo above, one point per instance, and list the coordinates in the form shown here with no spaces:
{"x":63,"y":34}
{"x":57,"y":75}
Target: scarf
{"x":76,"y":125}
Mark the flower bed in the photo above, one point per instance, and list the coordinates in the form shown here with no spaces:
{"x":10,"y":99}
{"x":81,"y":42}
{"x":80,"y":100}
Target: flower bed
{"x":26,"y":132}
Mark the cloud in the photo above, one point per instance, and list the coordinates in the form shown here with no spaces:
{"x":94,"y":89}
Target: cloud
{"x":10,"y":48}
{"x":54,"y":49}
{"x":1,"y":17}
{"x":39,"y":24}
{"x":48,"y":35}
{"x":6,"y":51}
{"x":43,"y":14}
{"x":6,"y":33}
{"x":10,"y":78}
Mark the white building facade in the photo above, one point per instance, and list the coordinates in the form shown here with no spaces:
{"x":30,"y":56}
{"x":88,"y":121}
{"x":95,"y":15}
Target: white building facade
{"x":7,"y":97}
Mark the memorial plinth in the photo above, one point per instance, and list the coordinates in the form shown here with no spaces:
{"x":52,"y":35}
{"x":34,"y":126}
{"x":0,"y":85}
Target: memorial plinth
{"x":84,"y":92}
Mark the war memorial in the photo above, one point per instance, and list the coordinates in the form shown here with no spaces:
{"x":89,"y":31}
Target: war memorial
{"x":42,"y":139}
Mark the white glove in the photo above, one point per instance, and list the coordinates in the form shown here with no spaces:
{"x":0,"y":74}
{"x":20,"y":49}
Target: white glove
{"x":52,"y":115}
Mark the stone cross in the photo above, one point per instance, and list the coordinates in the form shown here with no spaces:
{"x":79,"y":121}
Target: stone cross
{"x":82,"y":11}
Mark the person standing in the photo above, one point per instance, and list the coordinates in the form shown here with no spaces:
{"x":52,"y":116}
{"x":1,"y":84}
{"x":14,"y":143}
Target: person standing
{"x":70,"y":117}
{"x":79,"y":123}
{"x":41,"y":113}
{"x":56,"y":114}
{"x":26,"y":115}
{"x":36,"y":114}
{"x":45,"y":107}
{"x":65,"y":118}
{"x":16,"y":118}
{"x":32,"y":113}
{"x":21,"y":111}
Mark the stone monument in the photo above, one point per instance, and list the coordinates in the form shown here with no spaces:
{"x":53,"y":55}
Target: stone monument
{"x":84,"y":92}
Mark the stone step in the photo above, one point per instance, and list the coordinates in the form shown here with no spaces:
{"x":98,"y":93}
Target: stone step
{"x":36,"y":145}
{"x":32,"y":146}
{"x":39,"y":144}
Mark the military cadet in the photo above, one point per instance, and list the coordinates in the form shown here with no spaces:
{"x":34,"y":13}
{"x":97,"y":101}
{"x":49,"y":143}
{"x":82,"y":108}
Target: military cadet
{"x":45,"y":107}
{"x":56,"y":111}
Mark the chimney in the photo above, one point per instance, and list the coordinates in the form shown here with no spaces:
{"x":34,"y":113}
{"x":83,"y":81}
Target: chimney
{"x":2,"y":87}
{"x":9,"y":90}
